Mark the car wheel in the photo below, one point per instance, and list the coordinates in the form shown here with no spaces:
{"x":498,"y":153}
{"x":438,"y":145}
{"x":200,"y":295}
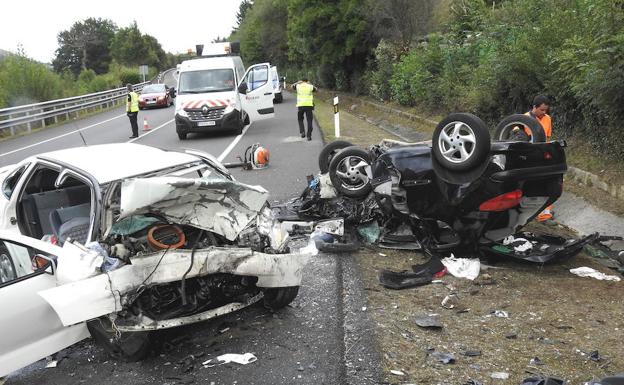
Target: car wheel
{"x":7,"y":268}
{"x":246,"y":120}
{"x":461,"y":142}
{"x":329,"y":151}
{"x":279,"y":297}
{"x":510,"y":129}
{"x":347,"y":172}
{"x":126,"y":346}
{"x":239,"y":130}
{"x":181,"y":135}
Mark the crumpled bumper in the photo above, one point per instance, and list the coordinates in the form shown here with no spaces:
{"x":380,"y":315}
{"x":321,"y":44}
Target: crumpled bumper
{"x":105,"y":293}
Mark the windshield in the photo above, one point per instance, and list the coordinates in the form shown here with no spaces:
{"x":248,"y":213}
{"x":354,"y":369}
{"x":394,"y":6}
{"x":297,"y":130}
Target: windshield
{"x":195,"y":82}
{"x":153,"y":88}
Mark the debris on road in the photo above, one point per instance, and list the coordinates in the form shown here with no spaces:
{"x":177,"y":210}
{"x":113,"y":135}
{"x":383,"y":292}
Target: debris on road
{"x":420,"y":275}
{"x":242,"y":359}
{"x":445,"y":358}
{"x":585,"y":271}
{"x":431,"y":321}
{"x":397,"y":372}
{"x":499,"y":375}
{"x":462,"y":267}
{"x":500,"y":313}
{"x":541,"y":380}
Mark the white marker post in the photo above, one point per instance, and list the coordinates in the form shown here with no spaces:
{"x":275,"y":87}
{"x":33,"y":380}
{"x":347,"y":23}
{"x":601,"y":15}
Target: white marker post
{"x":336,"y":118}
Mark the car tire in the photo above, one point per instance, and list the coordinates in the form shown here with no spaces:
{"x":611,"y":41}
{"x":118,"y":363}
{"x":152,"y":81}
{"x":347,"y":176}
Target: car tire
{"x":279,"y":297}
{"x":505,"y":129}
{"x":239,"y":130}
{"x":8,"y":272}
{"x":182,"y":135}
{"x":278,"y":98}
{"x":246,"y":120}
{"x":125,"y":346}
{"x":347,"y":173}
{"x":329,"y":151}
{"x":461,"y":142}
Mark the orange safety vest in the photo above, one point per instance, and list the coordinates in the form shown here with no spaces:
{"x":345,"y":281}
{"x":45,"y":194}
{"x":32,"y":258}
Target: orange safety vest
{"x":546,"y":123}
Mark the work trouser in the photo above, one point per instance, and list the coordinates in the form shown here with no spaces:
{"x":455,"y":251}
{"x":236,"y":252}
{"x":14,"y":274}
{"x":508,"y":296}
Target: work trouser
{"x":133,"y":116}
{"x":308,"y":113}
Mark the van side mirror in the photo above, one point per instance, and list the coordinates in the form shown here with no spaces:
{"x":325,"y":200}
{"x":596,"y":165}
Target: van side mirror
{"x":242,"y":88}
{"x":172,"y":92}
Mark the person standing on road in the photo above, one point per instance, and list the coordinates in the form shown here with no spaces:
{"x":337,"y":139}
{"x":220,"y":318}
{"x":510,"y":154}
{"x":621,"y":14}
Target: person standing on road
{"x":132,"y":110}
{"x":539,"y":111}
{"x":305,"y":105}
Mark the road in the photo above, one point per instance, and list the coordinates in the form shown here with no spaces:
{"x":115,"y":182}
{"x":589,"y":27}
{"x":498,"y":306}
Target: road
{"x":304,"y":343}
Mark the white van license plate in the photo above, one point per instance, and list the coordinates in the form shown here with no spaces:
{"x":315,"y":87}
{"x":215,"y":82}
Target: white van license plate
{"x":208,"y":123}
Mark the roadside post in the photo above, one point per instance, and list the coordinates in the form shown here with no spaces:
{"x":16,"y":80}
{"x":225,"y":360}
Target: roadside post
{"x":143,"y":71}
{"x":336,"y":118}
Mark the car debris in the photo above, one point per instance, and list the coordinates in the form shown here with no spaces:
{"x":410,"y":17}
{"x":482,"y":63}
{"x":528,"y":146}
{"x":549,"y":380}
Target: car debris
{"x":462,"y":267}
{"x":445,"y":358}
{"x":499,"y":375}
{"x":420,"y":275}
{"x":397,"y":372}
{"x":542,"y":380}
{"x":500,"y":313}
{"x":241,"y":359}
{"x":585,"y":271}
{"x":611,"y":380}
{"x":428,"y":321}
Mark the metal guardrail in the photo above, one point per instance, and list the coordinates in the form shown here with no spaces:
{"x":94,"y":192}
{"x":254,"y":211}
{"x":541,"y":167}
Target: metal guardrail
{"x":13,"y":118}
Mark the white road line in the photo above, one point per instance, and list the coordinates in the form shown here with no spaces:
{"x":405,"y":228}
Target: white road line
{"x":60,"y":136}
{"x":234,"y":143}
{"x":150,"y":131}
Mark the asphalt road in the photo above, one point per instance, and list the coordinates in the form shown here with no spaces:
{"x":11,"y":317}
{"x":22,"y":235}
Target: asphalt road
{"x":303,"y":343}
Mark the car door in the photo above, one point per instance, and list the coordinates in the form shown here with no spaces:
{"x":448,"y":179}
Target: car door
{"x":11,"y":185}
{"x":257,"y":92}
{"x":31,"y":330}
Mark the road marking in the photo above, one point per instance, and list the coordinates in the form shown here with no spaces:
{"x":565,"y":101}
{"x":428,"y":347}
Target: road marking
{"x":234,"y":143}
{"x":150,"y":131}
{"x":60,"y":136}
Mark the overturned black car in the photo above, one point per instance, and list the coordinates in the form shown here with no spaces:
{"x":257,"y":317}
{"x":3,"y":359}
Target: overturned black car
{"x":461,"y":193}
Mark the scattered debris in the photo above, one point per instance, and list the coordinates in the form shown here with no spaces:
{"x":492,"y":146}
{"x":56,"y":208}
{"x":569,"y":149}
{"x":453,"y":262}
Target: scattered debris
{"x":420,"y":275}
{"x":536,"y":361}
{"x":397,"y":372}
{"x":611,"y":380}
{"x":472,"y":353}
{"x":473,"y":382}
{"x":500,"y":375}
{"x":521,"y":245}
{"x":594,"y":355}
{"x":369,"y":232}
{"x":462,"y":267}
{"x":51,"y":362}
{"x":585,"y":271}
{"x":511,"y":336}
{"x":430,"y":321}
{"x":445,"y":358}
{"x":242,"y":359}
{"x":541,"y":380}
{"x":447,"y":302}
{"x":500,"y":313}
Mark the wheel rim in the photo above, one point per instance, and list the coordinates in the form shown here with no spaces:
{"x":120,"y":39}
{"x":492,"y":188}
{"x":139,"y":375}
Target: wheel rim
{"x":6,"y":269}
{"x":352,"y":173}
{"x":457,"y":142}
{"x":505,"y":133}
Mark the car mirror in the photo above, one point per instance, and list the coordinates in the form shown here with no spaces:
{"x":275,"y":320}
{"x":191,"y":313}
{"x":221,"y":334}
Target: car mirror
{"x":242,"y":88}
{"x":172,"y":92}
{"x":40,"y":261}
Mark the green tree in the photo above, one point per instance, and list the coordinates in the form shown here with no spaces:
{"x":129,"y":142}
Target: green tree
{"x":85,"y":46}
{"x":132,"y":48}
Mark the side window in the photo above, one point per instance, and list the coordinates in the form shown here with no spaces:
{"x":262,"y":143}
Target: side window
{"x":257,"y":77}
{"x":15,"y":261}
{"x":11,"y":181}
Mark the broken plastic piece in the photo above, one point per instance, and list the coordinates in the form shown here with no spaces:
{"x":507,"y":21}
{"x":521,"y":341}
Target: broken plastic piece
{"x":242,"y":359}
{"x":370,"y":232}
{"x":462,"y":267}
{"x":445,"y":358}
{"x":472,"y":353}
{"x":428,"y":321}
{"x":133,"y":224}
{"x":500,"y":313}
{"x":402,"y":280}
{"x":500,"y":375}
{"x":397,"y":372}
{"x":593,"y":273}
{"x":541,"y":380}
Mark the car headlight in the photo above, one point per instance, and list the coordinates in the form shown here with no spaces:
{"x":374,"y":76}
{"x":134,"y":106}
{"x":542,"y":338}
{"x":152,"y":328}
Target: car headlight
{"x":161,"y":98}
{"x":181,"y":112}
{"x":229,"y":108}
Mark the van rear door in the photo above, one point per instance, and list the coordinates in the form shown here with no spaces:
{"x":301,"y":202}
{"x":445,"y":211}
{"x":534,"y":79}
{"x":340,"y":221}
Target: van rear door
{"x":258,"y":99}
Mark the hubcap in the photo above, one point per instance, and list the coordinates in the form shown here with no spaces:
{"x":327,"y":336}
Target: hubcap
{"x":457,"y":142}
{"x":352,"y":172}
{"x":508,"y":131}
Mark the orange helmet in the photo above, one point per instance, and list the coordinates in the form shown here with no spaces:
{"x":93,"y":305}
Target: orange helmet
{"x":260,"y":157}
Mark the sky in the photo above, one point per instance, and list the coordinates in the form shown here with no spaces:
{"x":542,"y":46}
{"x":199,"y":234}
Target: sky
{"x":177,"y":25}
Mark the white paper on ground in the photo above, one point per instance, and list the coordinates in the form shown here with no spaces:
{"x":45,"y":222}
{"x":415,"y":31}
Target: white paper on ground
{"x":585,"y":271}
{"x":462,"y":267}
{"x":242,"y":359}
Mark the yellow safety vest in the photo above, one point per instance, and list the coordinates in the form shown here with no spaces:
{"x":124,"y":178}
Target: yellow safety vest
{"x":133,"y":104}
{"x":304,"y":95}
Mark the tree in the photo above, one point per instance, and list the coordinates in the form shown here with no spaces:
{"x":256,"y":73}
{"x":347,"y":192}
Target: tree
{"x":132,"y":48}
{"x":243,"y":8}
{"x":85,"y":46}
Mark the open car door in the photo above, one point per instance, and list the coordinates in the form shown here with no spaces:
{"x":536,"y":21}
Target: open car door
{"x":256,"y":92}
{"x":31,"y":329}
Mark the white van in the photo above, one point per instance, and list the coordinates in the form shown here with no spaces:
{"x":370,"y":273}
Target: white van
{"x":214,"y":92}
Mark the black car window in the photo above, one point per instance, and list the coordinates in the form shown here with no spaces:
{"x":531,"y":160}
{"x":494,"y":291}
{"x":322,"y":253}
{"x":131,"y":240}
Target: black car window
{"x":11,"y":181}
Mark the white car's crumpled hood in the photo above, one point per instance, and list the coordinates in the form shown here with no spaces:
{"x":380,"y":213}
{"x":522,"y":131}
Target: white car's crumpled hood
{"x":214,"y":204}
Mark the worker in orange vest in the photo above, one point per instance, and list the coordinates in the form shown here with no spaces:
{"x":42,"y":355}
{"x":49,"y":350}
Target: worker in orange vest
{"x":541,"y":104}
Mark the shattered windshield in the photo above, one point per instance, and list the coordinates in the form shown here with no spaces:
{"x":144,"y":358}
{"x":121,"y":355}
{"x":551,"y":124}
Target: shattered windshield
{"x":195,"y":82}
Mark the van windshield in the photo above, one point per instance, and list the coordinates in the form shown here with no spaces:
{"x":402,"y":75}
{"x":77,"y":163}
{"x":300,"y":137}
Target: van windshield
{"x":197,"y":82}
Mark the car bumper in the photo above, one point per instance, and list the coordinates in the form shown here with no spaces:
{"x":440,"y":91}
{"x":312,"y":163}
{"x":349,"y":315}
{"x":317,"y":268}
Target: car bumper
{"x":230,"y":121}
{"x":159,"y":103}
{"x":105,"y":293}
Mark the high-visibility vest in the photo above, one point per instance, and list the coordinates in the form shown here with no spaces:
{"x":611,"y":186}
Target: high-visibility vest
{"x":304,"y":95}
{"x":545,"y":122}
{"x":133,"y":104}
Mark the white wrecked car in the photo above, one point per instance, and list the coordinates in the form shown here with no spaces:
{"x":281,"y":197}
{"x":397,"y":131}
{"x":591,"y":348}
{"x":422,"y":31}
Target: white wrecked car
{"x":146,"y":239}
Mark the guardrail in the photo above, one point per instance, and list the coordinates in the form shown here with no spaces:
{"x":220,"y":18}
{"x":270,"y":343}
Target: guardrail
{"x":41,"y":114}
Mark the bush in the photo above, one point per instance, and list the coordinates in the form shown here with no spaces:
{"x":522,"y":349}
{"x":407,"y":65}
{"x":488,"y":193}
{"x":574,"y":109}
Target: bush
{"x":25,"y":81}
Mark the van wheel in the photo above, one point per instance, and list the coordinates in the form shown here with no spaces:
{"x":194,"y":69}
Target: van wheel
{"x":246,"y":121}
{"x":182,"y":135}
{"x":461,"y":142}
{"x":126,"y":346}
